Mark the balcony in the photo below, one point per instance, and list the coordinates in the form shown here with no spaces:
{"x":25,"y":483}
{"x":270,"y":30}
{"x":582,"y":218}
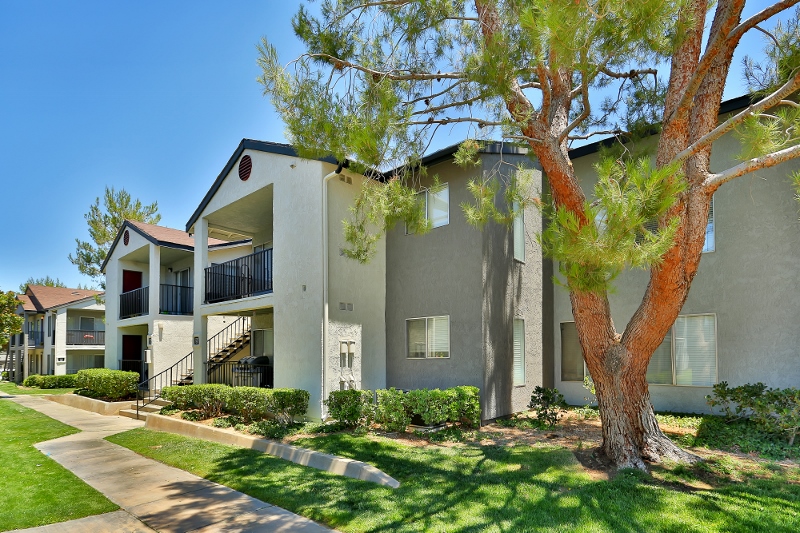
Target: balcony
{"x":134,"y":303}
{"x":176,"y":300}
{"x":84,"y":337}
{"x":246,"y":276}
{"x":35,"y":338}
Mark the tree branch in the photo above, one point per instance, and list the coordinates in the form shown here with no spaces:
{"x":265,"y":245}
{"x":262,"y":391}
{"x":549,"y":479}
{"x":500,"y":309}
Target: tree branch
{"x":437,"y":95}
{"x":630,"y":75}
{"x":447,"y":106}
{"x":444,"y":121}
{"x":341,"y":64}
{"x":713,"y":181}
{"x":758,"y":18}
{"x":775,"y":98}
{"x":587,"y":110}
{"x":600,"y":132}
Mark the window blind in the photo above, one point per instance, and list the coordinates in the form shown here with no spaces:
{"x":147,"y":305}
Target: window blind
{"x":439,"y":336}
{"x":659,"y":371}
{"x":519,"y":234}
{"x":519,"y":351}
{"x":571,"y":353}
{"x":695,"y":350}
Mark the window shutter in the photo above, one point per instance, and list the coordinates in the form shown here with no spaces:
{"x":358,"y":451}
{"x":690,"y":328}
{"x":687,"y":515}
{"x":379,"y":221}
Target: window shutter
{"x":571,"y":353}
{"x":415,"y":330}
{"x":519,"y":234}
{"x":659,"y":371}
{"x":695,"y":350}
{"x":439,"y":336}
{"x":519,"y":351}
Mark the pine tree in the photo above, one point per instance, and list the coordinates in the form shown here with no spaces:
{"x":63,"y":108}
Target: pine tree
{"x":104,"y":223}
{"x":47,"y":281}
{"x":379,"y":79}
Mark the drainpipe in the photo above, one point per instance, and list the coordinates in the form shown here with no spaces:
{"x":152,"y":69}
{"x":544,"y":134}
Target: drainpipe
{"x":325,"y":277}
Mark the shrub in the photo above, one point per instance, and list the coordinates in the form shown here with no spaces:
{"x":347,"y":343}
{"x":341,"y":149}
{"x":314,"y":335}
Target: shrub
{"x":547,"y":403}
{"x":465,"y":406}
{"x":432,"y":405}
{"x":353,"y":408}
{"x":178,"y":395}
{"x":735,"y":402}
{"x":251,"y":403}
{"x":32,"y":380}
{"x":66,"y":381}
{"x":390,"y":411}
{"x":108,"y":384}
{"x":286,"y":404}
{"x":4,"y":375}
{"x":209,"y":399}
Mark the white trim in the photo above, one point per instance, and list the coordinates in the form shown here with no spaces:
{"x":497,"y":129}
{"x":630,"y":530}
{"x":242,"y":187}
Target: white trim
{"x":427,"y":357}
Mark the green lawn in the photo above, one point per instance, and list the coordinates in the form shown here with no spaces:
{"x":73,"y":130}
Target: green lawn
{"x":34,"y":489}
{"x":14,"y":390}
{"x":492,"y":488}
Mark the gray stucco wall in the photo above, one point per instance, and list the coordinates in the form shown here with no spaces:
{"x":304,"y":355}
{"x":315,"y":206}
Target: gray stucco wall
{"x":750,"y":282}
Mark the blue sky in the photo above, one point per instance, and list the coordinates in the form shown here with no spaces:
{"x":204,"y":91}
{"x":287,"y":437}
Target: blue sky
{"x":150,"y":96}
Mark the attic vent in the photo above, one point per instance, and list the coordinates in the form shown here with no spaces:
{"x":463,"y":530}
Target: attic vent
{"x":245,"y":166}
{"x":76,"y":293}
{"x":126,"y":237}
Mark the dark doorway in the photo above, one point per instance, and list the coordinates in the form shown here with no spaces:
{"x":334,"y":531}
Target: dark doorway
{"x":131,"y":280}
{"x":132,"y":356}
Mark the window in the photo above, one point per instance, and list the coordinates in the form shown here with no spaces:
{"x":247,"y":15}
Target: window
{"x":437,"y":205}
{"x":346,"y":354}
{"x":519,"y":352}
{"x":428,"y":337}
{"x":708,"y":245}
{"x":87,"y":323}
{"x":571,"y":353}
{"x":519,"y":234}
{"x":688,"y":355}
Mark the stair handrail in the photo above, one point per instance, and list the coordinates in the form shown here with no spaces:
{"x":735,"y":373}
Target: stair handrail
{"x":224,"y":337}
{"x":179,"y":369}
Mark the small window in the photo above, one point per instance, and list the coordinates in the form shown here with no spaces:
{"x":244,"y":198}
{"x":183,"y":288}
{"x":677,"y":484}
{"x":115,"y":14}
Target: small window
{"x":571,"y":353}
{"x":437,"y":206}
{"x":519,"y":352}
{"x":708,"y":245}
{"x":688,"y":355}
{"x":428,"y":337}
{"x":519,"y":233}
{"x":87,"y":323}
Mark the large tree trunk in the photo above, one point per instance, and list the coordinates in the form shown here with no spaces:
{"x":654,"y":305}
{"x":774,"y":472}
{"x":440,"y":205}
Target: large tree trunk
{"x":630,"y":431}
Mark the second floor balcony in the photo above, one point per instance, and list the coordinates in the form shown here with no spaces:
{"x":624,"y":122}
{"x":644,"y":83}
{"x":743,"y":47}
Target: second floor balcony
{"x":85,"y":336}
{"x":250,"y":275}
{"x":134,"y":303}
{"x":176,"y":300}
{"x":35,"y":338}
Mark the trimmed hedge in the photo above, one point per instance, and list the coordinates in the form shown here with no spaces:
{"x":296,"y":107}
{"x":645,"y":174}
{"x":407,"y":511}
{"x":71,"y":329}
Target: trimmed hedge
{"x":353,"y":408}
{"x":108,"y":384}
{"x":50,"y":382}
{"x":394,"y":408}
{"x":251,"y":403}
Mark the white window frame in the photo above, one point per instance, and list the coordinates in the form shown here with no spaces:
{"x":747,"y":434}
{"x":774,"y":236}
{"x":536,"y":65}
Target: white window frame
{"x":425,"y":193}
{"x":514,"y":322}
{"x":672,"y":354}
{"x":427,"y":351}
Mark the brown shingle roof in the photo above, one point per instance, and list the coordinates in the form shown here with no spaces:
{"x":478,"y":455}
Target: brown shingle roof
{"x":43,"y":298}
{"x":170,"y":235}
{"x":27,"y":304}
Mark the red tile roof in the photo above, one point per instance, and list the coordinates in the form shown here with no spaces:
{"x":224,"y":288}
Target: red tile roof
{"x":41,"y":298}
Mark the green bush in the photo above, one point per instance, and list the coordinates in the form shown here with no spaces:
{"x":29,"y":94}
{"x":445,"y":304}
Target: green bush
{"x":4,"y":375}
{"x":735,"y":402}
{"x":178,"y":395}
{"x":286,"y":404}
{"x":465,"y":406}
{"x":108,"y":384}
{"x":548,"y":404}
{"x":432,"y":405}
{"x":32,"y":380}
{"x":390,"y":411}
{"x":251,"y":403}
{"x":210,"y":399}
{"x":67,"y":381}
{"x":353,"y":408}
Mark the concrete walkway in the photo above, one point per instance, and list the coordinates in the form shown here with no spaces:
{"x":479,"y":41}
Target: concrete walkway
{"x":151,"y":494}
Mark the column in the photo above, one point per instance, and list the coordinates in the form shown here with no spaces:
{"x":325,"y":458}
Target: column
{"x":155,"y":280}
{"x":200,"y":337}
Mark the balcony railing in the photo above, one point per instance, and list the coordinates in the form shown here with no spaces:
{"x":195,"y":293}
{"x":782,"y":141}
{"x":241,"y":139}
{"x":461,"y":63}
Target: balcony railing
{"x":176,"y":300}
{"x":134,"y":303}
{"x":239,"y":374}
{"x":35,"y":338}
{"x":246,"y":276}
{"x":84,"y":336}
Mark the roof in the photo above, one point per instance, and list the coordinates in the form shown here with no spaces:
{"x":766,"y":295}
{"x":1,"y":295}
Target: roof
{"x":40,"y":298}
{"x":246,"y":144}
{"x":163,"y":236}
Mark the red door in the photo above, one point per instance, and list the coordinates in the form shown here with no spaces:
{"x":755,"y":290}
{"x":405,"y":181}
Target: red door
{"x":132,"y":355}
{"x":131,"y":280}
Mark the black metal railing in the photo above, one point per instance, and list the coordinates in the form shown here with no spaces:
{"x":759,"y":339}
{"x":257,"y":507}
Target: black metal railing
{"x":178,"y":374}
{"x":239,"y":278}
{"x":134,"y":365}
{"x":176,"y":300}
{"x":240,"y":374}
{"x":84,"y":336}
{"x":223,"y":340}
{"x":134,"y":303}
{"x":35,"y":338}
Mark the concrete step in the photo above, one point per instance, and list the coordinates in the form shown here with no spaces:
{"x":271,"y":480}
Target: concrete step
{"x":131,"y":413}
{"x":161,"y":402}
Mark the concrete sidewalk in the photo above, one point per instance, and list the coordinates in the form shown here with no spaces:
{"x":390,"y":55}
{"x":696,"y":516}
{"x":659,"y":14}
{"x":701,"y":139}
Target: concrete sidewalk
{"x":151,"y":493}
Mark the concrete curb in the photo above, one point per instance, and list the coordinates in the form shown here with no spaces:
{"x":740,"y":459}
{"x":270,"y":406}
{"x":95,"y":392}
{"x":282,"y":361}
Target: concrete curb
{"x":89,"y":404}
{"x":295,"y":454}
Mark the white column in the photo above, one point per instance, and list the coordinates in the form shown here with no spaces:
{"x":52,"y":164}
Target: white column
{"x":155,"y":279}
{"x":200,"y":321}
{"x":60,"y":340}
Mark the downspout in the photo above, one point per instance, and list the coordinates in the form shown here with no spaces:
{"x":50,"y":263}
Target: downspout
{"x":325,"y":278}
